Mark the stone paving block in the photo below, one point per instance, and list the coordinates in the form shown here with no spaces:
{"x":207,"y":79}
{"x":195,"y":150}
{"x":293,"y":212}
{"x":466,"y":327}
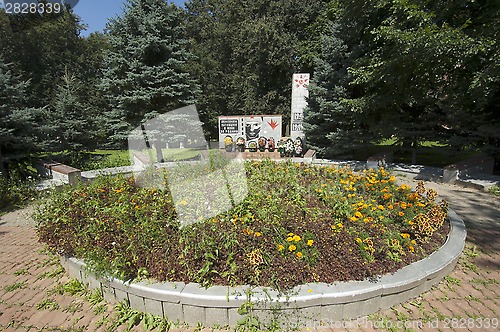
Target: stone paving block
{"x":212,"y":297}
{"x":233,"y":316}
{"x":308,"y":313}
{"x":121,"y":296}
{"x":154,"y":307}
{"x":402,"y":280}
{"x":137,"y":302}
{"x":75,"y":268}
{"x":305,"y":296}
{"x":387,"y":301}
{"x":361,"y":308}
{"x":108,"y":293}
{"x":348,"y":292}
{"x":333,"y":312}
{"x":193,"y":314}
{"x":90,"y":280}
{"x":173,"y":311}
{"x":216,"y":316}
{"x":168,"y":291}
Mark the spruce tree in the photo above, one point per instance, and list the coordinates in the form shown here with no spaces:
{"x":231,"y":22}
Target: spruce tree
{"x":19,"y":130}
{"x":145,"y":70}
{"x":330,"y":124}
{"x":74,"y":128}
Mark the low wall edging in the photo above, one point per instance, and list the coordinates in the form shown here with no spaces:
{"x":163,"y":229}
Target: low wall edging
{"x":219,"y":305}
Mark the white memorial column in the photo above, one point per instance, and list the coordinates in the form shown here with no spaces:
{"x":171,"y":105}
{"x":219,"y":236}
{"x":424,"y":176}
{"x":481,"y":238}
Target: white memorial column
{"x":300,"y":82}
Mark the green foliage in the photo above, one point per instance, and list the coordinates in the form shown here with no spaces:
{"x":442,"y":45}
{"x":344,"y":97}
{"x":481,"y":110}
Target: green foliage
{"x":15,"y":286}
{"x":75,"y":127}
{"x":146,"y":65}
{"x":331,"y":126}
{"x":18,"y":123}
{"x":295,"y":218}
{"x":48,"y":304}
{"x":246,"y":53}
{"x":41,"y":50}
{"x":495,"y":190}
{"x":422,"y":70}
{"x":128,"y":317}
{"x":16,"y":193}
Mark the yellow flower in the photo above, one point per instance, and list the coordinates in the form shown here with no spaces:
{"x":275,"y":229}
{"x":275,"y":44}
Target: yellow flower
{"x":118,"y":190}
{"x":351,"y":219}
{"x":405,"y":235}
{"x":290,"y":234}
{"x":289,"y":239}
{"x":299,"y":254}
{"x":413,"y":242}
{"x":358,"y":240}
{"x":280,"y":247}
{"x":401,"y":213}
{"x":296,"y":238}
{"x":381,"y":207}
{"x":310,"y":242}
{"x":339,"y":225}
{"x":257,"y":234}
{"x":358,"y":214}
{"x":292,"y":247}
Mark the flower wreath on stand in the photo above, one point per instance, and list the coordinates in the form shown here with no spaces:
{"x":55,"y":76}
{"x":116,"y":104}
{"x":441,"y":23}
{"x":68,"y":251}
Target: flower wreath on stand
{"x":262,"y":144}
{"x":289,"y":148}
{"x":270,"y":144}
{"x":240,"y":144}
{"x":228,"y":143}
{"x":298,"y":147}
{"x":252,"y":146}
{"x":281,"y":147}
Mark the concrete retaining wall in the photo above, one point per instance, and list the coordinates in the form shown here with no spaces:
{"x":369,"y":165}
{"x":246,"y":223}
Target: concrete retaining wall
{"x":219,"y":305}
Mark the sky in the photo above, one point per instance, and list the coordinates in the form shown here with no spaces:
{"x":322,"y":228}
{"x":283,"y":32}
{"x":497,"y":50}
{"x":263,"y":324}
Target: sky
{"x":95,"y":13}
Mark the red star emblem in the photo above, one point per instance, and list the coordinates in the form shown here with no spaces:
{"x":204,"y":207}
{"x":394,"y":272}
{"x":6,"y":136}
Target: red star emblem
{"x":273,"y":124}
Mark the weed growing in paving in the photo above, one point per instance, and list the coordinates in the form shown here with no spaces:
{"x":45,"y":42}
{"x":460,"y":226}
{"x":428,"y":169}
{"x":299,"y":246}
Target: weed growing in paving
{"x":48,"y":304}
{"x":21,"y":272}
{"x":323,"y":223}
{"x":15,"y":286}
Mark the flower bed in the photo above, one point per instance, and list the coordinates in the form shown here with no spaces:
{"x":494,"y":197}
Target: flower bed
{"x":298,"y":224}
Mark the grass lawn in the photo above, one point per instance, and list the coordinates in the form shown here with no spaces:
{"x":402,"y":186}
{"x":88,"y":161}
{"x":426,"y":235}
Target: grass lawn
{"x":428,"y":153}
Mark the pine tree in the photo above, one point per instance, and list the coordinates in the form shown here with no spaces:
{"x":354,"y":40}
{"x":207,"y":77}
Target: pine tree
{"x":331,"y":126}
{"x":145,"y":70}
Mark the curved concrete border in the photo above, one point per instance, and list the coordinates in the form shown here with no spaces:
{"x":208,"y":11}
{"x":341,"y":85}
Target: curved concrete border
{"x":316,"y":302}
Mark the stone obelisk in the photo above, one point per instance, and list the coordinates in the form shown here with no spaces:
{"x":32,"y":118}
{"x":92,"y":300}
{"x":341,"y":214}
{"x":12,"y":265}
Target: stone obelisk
{"x":300,"y":83}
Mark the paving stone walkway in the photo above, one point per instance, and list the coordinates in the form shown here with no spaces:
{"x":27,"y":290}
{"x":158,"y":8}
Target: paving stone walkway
{"x":467,"y":300}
